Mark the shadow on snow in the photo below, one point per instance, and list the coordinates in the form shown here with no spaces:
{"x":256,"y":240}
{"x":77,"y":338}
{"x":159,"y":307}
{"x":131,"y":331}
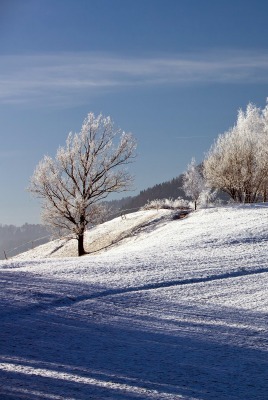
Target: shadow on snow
{"x":104,"y":349}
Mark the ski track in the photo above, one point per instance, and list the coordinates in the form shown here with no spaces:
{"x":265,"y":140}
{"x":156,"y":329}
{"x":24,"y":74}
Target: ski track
{"x":170,"y":310}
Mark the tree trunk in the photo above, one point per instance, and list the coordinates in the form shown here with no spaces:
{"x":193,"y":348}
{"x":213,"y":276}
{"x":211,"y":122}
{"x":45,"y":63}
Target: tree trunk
{"x":81,"y":250}
{"x":195,"y":204}
{"x":248,"y":198}
{"x":265,"y":195}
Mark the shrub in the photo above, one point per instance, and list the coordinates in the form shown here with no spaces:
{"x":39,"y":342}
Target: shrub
{"x":167,"y":204}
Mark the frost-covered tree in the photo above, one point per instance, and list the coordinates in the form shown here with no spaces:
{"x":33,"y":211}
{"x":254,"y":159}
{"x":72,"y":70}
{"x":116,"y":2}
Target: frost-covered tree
{"x":238,"y":161}
{"x":84,"y":172}
{"x":193,"y":182}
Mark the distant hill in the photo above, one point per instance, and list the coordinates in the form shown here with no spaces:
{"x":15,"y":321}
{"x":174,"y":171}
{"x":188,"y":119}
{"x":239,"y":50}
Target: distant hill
{"x":14,"y":239}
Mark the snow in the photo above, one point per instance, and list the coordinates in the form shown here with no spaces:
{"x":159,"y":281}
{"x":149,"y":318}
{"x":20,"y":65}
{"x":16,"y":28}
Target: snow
{"x":161,"y":309}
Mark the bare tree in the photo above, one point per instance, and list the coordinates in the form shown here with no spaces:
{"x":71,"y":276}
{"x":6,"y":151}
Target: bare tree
{"x":238,"y":161}
{"x":82,"y":174}
{"x":193,"y":182}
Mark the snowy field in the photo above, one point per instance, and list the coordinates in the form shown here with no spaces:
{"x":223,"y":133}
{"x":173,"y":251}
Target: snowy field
{"x":169,"y":309}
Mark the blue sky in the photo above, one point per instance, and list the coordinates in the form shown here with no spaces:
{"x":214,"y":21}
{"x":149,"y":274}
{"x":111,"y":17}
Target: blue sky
{"x":173,"y":72}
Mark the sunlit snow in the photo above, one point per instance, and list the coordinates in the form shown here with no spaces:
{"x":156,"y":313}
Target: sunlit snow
{"x":161,"y":309}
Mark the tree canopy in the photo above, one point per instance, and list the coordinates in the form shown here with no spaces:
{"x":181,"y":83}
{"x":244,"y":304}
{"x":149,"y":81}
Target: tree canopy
{"x":238,"y":161}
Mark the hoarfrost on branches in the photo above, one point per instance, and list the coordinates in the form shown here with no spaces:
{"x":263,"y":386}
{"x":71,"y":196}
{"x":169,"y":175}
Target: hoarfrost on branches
{"x":168,"y":204}
{"x":193,"y":182}
{"x":82,"y":174}
{"x":238,"y":161}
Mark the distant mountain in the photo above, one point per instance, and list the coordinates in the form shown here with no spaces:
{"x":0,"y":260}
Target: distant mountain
{"x":14,"y":239}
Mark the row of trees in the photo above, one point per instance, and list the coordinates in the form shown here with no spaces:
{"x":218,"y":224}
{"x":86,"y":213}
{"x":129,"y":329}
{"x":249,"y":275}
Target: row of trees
{"x":237,"y":163}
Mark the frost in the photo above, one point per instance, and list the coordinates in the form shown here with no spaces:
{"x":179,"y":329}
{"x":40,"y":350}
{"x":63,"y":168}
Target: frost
{"x":82,"y":174}
{"x":172,"y":309}
{"x":238,"y":162}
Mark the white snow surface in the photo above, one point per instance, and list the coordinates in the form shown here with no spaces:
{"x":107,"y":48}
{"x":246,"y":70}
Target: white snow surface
{"x":168,"y":309}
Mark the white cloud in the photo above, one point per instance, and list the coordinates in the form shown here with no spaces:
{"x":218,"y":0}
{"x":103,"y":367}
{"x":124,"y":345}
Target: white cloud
{"x":42,"y":78}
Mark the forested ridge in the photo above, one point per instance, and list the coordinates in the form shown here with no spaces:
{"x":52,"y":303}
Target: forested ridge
{"x":167,"y":190}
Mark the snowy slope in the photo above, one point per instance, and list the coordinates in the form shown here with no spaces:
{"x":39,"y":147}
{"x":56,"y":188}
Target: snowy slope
{"x":169,"y":309}
{"x":98,"y":238}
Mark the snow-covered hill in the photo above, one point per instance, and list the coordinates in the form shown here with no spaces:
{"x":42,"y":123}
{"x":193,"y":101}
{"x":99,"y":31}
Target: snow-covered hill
{"x":160,"y":309}
{"x":101,"y":237}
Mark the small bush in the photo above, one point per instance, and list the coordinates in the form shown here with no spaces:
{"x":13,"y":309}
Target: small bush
{"x":167,"y":204}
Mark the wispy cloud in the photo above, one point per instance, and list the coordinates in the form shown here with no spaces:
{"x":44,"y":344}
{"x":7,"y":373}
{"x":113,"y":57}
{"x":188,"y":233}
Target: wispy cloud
{"x":39,"y":78}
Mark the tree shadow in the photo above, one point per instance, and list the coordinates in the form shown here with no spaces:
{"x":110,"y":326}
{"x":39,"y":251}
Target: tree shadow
{"x":122,"y":344}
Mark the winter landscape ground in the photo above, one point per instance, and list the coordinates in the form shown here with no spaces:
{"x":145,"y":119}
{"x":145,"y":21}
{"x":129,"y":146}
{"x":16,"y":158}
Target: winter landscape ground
{"x":169,"y":309}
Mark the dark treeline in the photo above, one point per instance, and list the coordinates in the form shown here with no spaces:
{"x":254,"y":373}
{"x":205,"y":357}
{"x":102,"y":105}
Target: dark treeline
{"x":12,"y":236}
{"x":166,"y":190}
